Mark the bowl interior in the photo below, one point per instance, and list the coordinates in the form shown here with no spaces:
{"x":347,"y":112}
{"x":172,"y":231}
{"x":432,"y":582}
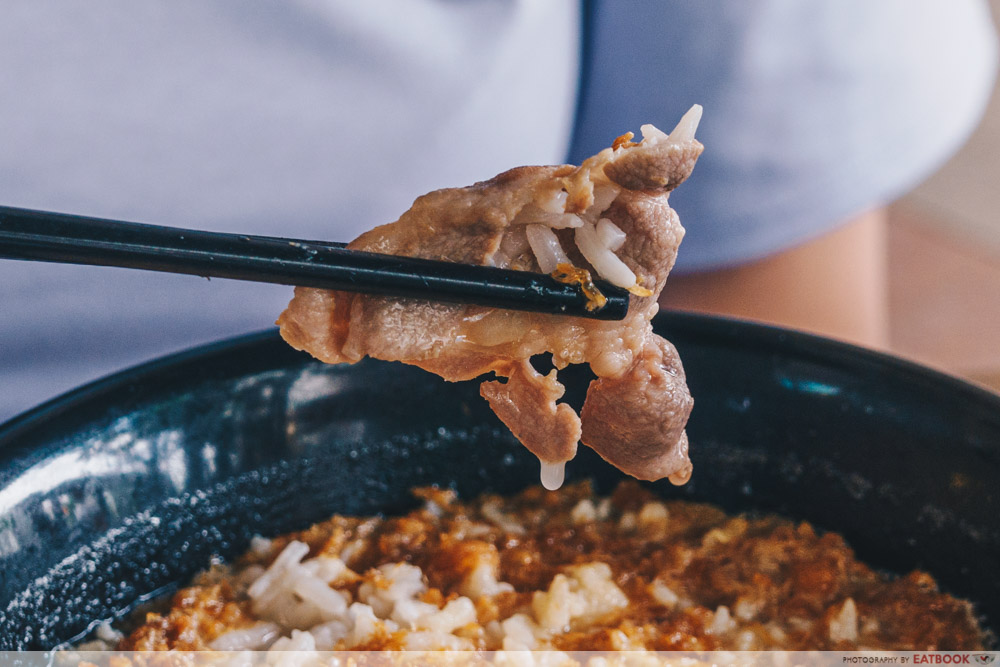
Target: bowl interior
{"x":129,"y":486}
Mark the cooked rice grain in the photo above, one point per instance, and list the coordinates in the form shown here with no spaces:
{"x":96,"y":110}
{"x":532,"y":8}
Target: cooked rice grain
{"x":564,"y":570}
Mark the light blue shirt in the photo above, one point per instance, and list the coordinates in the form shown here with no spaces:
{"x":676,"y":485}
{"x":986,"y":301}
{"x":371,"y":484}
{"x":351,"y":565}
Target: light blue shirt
{"x":320,"y":119}
{"x":814,"y":111}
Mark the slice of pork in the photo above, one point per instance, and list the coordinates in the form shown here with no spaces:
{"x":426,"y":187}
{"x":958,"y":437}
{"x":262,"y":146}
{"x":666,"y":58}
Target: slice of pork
{"x":610,"y":216}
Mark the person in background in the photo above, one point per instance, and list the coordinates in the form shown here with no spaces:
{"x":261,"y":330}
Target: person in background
{"x":322,"y":118}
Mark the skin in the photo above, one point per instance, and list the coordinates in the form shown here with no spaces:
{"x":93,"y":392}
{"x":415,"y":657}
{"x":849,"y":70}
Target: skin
{"x":835,"y":285}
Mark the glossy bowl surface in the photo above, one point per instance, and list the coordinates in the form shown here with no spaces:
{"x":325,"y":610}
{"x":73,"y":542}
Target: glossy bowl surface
{"x":126,"y":487}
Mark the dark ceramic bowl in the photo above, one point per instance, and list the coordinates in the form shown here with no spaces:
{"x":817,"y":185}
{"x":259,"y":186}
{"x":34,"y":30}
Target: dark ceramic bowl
{"x":126,"y":487}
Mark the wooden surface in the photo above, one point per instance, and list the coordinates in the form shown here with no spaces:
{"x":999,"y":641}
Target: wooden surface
{"x":944,"y":297}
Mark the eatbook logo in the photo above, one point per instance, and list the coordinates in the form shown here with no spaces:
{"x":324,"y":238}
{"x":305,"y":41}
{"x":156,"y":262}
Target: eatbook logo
{"x":954,"y":658}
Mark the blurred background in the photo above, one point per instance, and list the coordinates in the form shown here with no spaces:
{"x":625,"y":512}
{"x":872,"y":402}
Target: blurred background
{"x":321,"y":118}
{"x":944,"y":260}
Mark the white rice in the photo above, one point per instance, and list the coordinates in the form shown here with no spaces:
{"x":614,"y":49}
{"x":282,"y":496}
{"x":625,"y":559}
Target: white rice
{"x":260,"y":546}
{"x":722,"y":622}
{"x":326,"y":635}
{"x":254,"y":638}
{"x":663,"y":594}
{"x":519,"y":632}
{"x":583,"y":591}
{"x":604,"y":509}
{"x":287,"y":559}
{"x":304,"y":613}
{"x":482,"y":581}
{"x":583,"y":512}
{"x":493,"y":510}
{"x":844,"y":626}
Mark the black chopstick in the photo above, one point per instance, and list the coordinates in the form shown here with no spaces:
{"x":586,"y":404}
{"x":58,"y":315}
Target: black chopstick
{"x":57,"y":237}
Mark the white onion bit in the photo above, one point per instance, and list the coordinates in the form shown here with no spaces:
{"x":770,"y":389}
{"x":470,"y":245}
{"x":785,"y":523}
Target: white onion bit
{"x":561,"y":220}
{"x":608,"y":266}
{"x":681,"y":134}
{"x":610,"y":234}
{"x":545,"y":244}
{"x":531,"y":215}
{"x":652,"y":134}
{"x":686,"y":126}
{"x":604,"y":196}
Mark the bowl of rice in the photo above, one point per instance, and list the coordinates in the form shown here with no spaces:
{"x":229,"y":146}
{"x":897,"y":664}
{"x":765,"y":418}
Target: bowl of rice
{"x":245,"y":497}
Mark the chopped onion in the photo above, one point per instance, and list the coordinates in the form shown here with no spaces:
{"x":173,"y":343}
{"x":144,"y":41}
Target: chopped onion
{"x":608,"y":266}
{"x":652,"y":134}
{"x":681,"y":134}
{"x":545,"y":244}
{"x":686,"y":126}
{"x":604,"y":195}
{"x":531,"y":214}
{"x":611,"y":235}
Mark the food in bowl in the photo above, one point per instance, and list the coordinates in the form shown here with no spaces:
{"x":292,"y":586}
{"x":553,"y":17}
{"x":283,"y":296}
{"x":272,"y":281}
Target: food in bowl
{"x":568,"y":570}
{"x":610,"y":217}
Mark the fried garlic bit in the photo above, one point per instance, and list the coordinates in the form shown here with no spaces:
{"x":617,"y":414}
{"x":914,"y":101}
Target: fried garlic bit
{"x":574,"y":275}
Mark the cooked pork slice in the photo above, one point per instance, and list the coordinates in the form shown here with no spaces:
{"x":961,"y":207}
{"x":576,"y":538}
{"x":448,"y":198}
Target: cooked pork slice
{"x":526,"y":403}
{"x":636,"y":420}
{"x":610,"y":217}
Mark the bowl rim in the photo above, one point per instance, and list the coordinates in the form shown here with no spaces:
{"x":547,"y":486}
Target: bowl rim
{"x":150,"y":377}
{"x":95,"y":404}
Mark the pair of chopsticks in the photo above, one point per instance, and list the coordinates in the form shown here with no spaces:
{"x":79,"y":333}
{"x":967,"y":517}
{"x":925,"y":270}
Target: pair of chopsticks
{"x":70,"y":239}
